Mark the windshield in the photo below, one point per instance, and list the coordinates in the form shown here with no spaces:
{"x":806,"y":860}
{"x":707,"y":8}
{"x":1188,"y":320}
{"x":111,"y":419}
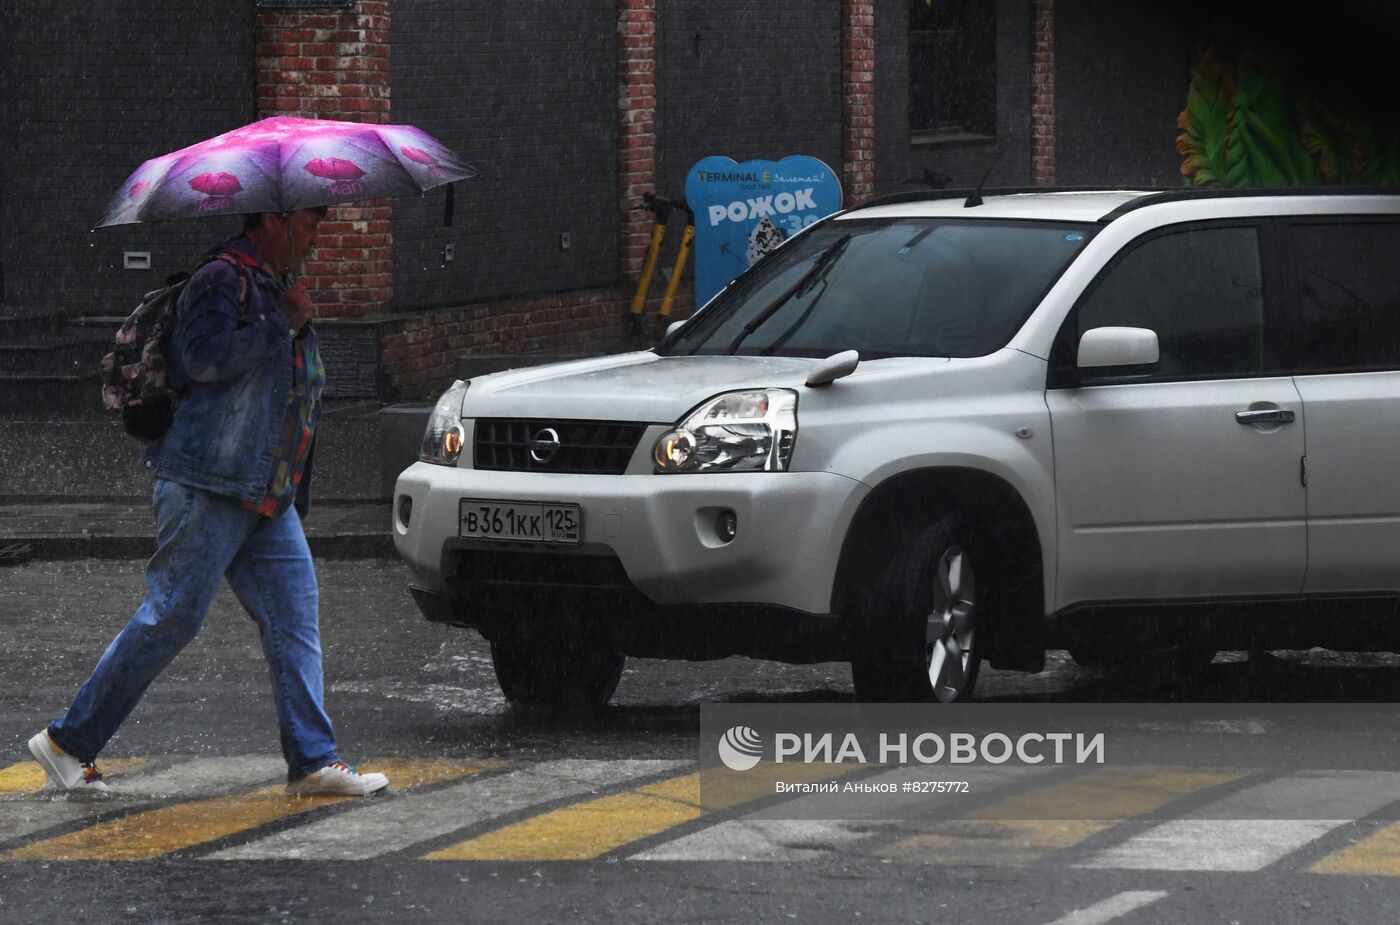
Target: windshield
{"x":889,"y":287}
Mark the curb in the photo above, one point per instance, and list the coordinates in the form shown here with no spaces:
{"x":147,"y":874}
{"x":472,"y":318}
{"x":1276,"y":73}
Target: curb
{"x":18,"y":550}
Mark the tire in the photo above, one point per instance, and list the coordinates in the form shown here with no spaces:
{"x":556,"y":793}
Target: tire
{"x":578,"y":672}
{"x":922,"y":621}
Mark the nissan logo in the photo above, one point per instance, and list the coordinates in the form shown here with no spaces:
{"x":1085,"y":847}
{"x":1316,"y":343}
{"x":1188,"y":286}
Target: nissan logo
{"x":544,"y":445}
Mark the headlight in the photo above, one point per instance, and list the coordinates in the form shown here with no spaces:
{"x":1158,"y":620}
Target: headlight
{"x":442,"y":438}
{"x":736,"y":432}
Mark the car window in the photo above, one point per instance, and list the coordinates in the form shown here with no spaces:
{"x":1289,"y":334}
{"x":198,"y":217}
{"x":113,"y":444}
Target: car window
{"x":1349,"y":295}
{"x":1201,"y":290}
{"x":888,"y":287}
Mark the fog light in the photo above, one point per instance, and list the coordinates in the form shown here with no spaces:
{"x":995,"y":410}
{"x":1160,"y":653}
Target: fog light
{"x":727,"y":526}
{"x":405,"y":509}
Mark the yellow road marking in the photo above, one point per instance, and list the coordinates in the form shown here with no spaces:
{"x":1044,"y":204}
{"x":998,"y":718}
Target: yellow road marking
{"x":594,"y":828}
{"x":28,"y":776}
{"x":1008,"y":832}
{"x":1377,"y":854}
{"x":153,"y":833}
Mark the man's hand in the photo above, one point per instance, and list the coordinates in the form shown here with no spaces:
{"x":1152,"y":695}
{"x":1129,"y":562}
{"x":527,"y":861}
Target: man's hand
{"x":297,"y":304}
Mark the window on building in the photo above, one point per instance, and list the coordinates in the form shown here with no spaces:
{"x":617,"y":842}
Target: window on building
{"x":952,"y":70}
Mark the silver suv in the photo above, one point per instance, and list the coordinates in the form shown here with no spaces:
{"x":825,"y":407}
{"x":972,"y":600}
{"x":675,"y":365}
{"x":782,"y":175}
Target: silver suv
{"x":935,"y":430}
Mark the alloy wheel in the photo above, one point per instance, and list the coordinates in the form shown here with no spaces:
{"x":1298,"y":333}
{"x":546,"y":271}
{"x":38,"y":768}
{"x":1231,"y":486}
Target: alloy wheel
{"x":951,"y":626}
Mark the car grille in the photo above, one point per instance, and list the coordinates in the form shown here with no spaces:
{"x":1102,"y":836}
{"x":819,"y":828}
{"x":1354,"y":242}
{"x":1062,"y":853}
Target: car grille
{"x":585,"y":447}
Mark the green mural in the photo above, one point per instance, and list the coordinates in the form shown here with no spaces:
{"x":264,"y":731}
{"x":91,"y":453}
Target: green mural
{"x":1254,"y":118}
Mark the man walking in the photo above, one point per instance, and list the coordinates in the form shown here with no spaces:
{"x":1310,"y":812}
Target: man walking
{"x":231,"y":486}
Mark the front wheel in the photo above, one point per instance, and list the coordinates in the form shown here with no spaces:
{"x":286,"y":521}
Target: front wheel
{"x":923,"y":621}
{"x":556,"y":672}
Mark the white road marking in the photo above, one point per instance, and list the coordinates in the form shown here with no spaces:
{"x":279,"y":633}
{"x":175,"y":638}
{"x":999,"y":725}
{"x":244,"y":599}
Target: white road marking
{"x":192,"y":778}
{"x":18,"y":819}
{"x":405,"y":820}
{"x":1253,"y":829}
{"x":1111,"y":908}
{"x":202,"y":777}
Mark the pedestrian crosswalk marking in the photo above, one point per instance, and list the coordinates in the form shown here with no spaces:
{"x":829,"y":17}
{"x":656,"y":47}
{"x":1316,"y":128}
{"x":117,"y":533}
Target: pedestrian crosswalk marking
{"x":798,"y":829}
{"x":386,"y":827}
{"x":576,"y":809}
{"x":153,"y":833}
{"x":589,"y":829}
{"x":1025,"y":827}
{"x":1243,"y":832}
{"x":1378,"y":855}
{"x":602,"y":826}
{"x":29,"y":776}
{"x":763,"y":840}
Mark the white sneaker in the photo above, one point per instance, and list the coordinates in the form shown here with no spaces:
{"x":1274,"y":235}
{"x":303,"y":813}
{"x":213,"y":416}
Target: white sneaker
{"x":66,"y":772}
{"x":337,"y":780}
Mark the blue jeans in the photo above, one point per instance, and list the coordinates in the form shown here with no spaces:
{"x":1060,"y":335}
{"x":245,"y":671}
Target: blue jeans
{"x":201,"y":538}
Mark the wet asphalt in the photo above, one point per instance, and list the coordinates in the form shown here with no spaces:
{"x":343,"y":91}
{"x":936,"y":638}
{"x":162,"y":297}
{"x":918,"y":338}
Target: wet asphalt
{"x":399,"y":686}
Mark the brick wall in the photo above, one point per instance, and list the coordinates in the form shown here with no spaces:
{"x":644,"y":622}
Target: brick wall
{"x":91,"y":90}
{"x":420,"y":354}
{"x":897,"y":159}
{"x":636,"y":137}
{"x":858,"y":99}
{"x":334,"y":64}
{"x":1043,"y":92}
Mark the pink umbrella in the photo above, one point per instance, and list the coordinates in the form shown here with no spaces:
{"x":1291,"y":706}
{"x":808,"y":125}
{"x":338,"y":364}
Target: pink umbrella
{"x":283,"y":164}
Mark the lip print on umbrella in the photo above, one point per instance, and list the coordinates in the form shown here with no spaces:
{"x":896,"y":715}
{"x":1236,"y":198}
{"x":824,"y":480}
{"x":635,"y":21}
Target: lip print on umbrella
{"x":220,"y":186}
{"x":343,"y":173}
{"x":419,"y":156}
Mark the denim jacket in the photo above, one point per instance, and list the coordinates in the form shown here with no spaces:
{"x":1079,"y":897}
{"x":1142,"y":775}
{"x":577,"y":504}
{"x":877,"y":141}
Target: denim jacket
{"x":235,"y":377}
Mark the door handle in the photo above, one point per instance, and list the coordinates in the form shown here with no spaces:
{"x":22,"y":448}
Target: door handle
{"x":1266,"y":416}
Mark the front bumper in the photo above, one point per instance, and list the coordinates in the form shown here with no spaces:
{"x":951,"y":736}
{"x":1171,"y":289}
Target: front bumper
{"x":660,"y":528}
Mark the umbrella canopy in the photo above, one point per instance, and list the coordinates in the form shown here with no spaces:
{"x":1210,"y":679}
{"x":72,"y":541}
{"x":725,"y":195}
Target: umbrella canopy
{"x":283,"y":164}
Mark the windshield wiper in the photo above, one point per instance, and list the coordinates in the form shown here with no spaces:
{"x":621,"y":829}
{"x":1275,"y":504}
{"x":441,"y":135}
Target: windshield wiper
{"x":813,"y":275}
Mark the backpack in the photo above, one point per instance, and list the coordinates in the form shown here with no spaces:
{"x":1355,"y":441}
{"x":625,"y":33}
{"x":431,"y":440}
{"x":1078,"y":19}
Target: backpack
{"x":134,"y":373}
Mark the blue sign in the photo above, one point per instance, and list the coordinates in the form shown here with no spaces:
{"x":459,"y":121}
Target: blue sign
{"x":743,"y":211}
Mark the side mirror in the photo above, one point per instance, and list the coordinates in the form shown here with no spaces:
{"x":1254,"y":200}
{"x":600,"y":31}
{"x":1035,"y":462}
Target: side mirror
{"x":675,"y":326}
{"x":1118,"y":347}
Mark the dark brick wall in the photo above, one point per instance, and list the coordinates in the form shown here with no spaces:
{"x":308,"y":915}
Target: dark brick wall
{"x":965,"y":161}
{"x":1121,"y":75}
{"x":350,"y":352}
{"x":747,"y":80}
{"x":90,"y":91}
{"x":527,"y":93}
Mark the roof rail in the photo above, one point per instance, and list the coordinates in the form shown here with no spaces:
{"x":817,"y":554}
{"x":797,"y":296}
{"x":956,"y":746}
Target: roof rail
{"x":930,"y":194}
{"x":1218,"y":192}
{"x":1152,"y":195}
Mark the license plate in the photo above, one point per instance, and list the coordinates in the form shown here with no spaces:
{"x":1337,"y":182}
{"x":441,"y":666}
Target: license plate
{"x":522,"y":521}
